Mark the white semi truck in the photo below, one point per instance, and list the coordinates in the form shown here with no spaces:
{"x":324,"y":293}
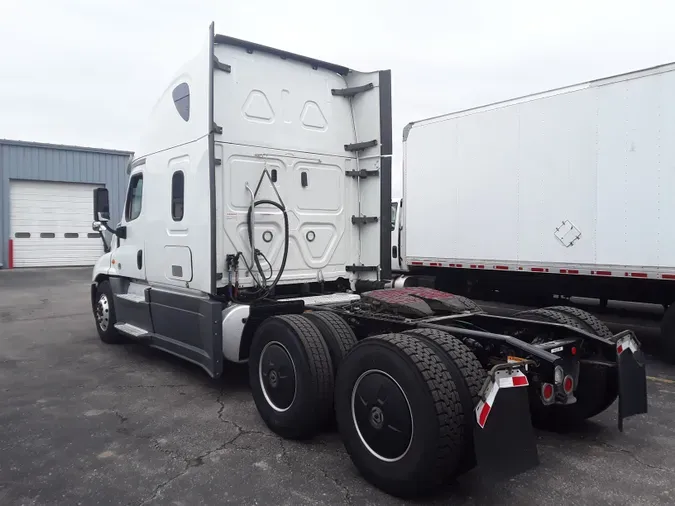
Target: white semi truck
{"x":560,"y":193}
{"x":256,"y":228}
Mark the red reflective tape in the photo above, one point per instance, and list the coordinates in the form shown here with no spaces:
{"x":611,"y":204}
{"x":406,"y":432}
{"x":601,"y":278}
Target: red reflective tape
{"x":417,"y":263}
{"x":434,"y":264}
{"x":537,"y":269}
{"x":619,"y":350}
{"x":603,"y":273}
{"x":481,"y":267}
{"x":473,"y":266}
{"x":451,"y":265}
{"x":668,"y":276}
{"x":10,"y":255}
{"x":572,"y":271}
{"x":459,"y":265}
{"x":520,"y":381}
{"x":563,"y":271}
{"x":638,"y":274}
{"x":484,"y":412}
{"x":502,"y":267}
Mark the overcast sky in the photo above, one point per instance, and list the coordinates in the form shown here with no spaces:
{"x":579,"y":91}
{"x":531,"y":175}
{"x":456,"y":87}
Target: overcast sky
{"x":87,"y":72}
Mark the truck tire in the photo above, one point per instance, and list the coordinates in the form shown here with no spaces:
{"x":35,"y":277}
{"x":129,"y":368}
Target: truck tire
{"x":469,"y":304}
{"x":668,"y":334}
{"x":291,"y":376}
{"x":335,"y":331}
{"x":104,"y":315}
{"x":592,"y":323}
{"x":399,"y":414}
{"x":597,"y":387}
{"x":469,"y":376}
{"x":549,"y":315}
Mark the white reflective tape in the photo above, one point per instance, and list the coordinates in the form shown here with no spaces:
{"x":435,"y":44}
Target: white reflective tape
{"x":481,"y":414}
{"x":627,"y":343}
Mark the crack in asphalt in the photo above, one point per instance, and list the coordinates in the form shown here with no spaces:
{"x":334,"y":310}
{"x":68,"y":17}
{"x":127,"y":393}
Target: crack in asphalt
{"x":637,"y":459}
{"x":345,"y":489}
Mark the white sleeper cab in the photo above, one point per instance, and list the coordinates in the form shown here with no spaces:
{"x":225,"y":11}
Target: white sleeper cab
{"x":257,"y":228}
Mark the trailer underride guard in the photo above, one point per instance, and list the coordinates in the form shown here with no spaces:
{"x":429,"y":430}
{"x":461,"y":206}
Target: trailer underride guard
{"x":256,"y":229}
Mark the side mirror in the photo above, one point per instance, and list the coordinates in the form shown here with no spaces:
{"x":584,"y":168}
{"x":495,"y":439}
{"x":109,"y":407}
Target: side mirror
{"x":101,"y":206}
{"x":96,"y":226}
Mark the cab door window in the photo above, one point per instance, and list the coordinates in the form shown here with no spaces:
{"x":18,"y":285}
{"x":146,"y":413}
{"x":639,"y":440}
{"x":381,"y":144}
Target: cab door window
{"x":134,"y":197}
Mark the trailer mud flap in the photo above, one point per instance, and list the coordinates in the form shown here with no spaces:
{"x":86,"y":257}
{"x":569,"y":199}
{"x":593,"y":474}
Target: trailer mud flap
{"x":632,"y":377}
{"x":504,"y":439}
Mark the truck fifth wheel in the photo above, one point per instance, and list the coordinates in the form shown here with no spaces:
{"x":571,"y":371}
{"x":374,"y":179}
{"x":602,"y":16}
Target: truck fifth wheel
{"x":256,"y":229}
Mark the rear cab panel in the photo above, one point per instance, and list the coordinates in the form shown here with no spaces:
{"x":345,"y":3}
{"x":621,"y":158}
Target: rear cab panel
{"x":278,"y":112}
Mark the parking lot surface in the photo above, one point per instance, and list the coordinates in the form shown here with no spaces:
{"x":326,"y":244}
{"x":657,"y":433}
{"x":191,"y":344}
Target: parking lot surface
{"x":82,"y":422}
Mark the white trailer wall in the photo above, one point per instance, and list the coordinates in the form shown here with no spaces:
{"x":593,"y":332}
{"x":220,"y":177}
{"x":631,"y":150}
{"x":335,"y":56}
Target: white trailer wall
{"x":493,"y":183}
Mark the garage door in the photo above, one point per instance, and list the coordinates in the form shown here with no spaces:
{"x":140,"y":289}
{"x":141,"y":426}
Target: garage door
{"x":50,"y":224}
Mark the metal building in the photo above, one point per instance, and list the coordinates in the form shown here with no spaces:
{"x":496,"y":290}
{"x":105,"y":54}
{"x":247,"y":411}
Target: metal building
{"x":46,"y":202}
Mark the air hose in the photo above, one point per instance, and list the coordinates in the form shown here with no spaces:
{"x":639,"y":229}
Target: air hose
{"x":263,"y":289}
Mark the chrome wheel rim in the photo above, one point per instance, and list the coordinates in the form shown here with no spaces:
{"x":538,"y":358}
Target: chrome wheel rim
{"x":277,"y":376}
{"x":103,"y":312}
{"x":382,"y":415}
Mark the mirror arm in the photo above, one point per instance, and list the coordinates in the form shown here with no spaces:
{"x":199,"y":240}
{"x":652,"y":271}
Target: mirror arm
{"x":106,"y":246}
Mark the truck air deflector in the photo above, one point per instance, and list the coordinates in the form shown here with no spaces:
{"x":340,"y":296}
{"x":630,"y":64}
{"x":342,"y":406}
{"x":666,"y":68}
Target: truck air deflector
{"x":252,"y":46}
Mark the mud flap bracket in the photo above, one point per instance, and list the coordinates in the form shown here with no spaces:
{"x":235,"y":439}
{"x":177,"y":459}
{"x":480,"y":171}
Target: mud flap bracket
{"x":632,"y":377}
{"x":504,"y":439}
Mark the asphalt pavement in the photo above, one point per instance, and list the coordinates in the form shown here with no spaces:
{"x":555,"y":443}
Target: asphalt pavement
{"x":82,"y":422}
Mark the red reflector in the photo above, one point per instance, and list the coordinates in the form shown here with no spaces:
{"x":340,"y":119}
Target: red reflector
{"x":547,"y":391}
{"x":451,"y":265}
{"x":482,"y":418}
{"x":568,"y":384}
{"x":502,"y":267}
{"x":483,"y":267}
{"x":537,"y":269}
{"x":563,"y":271}
{"x":573,"y":271}
{"x":459,"y":265}
{"x":619,"y":349}
{"x":638,"y":274}
{"x":603,"y":273}
{"x":473,"y":266}
{"x":434,"y":264}
{"x":668,"y":276}
{"x":519,"y":381}
{"x":574,"y":350}
{"x":417,"y":263}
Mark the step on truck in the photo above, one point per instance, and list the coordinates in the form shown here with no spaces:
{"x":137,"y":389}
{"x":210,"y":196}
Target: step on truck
{"x":256,"y":229}
{"x":559,"y":193}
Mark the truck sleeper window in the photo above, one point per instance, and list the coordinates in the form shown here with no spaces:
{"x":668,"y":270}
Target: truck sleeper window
{"x":135,"y":197}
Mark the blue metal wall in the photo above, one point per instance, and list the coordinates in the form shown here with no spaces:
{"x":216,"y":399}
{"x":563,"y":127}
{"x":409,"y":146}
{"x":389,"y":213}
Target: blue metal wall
{"x":71,"y":164}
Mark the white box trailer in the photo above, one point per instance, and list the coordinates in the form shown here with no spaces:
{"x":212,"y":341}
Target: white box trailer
{"x":564,"y":192}
{"x":256,"y":229}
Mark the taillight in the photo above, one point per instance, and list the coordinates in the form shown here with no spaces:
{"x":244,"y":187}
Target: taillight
{"x":568,"y":384}
{"x":547,"y":392}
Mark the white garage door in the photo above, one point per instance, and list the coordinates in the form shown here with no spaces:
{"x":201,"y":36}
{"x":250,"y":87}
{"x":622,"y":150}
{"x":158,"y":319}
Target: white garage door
{"x":50,"y":224}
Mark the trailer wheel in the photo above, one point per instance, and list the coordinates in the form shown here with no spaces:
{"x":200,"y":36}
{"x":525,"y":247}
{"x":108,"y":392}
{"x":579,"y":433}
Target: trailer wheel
{"x":335,"y":331}
{"x":469,"y":376}
{"x":399,"y":414}
{"x":590,"y":322}
{"x":668,"y":333}
{"x":291,"y":376}
{"x":104,"y":314}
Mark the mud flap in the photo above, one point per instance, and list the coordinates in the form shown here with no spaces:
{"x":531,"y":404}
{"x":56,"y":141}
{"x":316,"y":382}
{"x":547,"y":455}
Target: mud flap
{"x":632,"y":377}
{"x":504,"y":439}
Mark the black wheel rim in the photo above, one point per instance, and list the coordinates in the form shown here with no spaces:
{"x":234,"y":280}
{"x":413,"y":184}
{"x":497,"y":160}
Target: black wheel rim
{"x":382,"y":415}
{"x":277,"y":375}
